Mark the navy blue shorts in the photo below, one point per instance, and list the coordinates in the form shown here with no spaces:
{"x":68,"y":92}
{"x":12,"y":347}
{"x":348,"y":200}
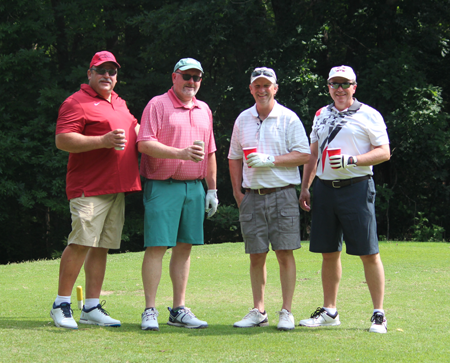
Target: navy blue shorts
{"x":346,"y":213}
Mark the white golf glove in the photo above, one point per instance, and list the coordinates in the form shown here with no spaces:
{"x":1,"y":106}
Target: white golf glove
{"x":343,"y":161}
{"x":259,"y":160}
{"x":211,"y":202}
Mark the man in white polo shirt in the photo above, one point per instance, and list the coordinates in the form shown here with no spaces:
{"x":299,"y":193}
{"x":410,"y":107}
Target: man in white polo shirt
{"x":344,"y":193}
{"x":268,"y":207}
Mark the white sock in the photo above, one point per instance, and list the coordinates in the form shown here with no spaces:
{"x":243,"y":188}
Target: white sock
{"x":62,"y":299}
{"x":91,"y":303}
{"x":378,"y":311}
{"x":331,"y":311}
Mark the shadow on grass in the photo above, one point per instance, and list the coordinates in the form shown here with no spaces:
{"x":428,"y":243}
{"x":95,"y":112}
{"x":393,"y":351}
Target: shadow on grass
{"x":212,"y":330}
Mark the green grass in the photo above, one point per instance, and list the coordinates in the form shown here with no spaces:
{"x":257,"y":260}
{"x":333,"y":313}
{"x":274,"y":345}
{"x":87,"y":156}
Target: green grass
{"x":417,"y":297}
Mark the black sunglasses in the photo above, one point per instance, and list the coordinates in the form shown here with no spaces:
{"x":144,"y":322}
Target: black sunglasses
{"x":336,"y":85}
{"x":187,"y":77}
{"x":264,"y":73}
{"x":102,"y":71}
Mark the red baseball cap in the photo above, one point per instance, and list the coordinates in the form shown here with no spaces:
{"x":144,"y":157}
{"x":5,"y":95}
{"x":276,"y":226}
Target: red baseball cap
{"x":103,"y":57}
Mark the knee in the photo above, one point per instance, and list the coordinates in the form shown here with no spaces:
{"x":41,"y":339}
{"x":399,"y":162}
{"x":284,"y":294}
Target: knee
{"x":371,"y":259}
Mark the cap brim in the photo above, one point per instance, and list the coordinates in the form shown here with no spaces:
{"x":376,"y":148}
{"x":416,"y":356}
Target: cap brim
{"x":185,"y":68}
{"x":270,"y":79}
{"x":108,"y":61}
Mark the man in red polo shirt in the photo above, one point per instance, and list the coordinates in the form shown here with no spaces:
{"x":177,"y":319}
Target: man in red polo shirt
{"x":95,"y":126}
{"x":174,"y":196}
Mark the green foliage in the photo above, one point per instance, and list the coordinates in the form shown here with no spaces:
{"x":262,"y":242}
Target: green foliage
{"x":398,"y":49}
{"x":425,"y":233}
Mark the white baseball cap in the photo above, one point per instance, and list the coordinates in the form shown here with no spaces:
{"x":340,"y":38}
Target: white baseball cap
{"x":344,"y":72}
{"x":267,"y":73}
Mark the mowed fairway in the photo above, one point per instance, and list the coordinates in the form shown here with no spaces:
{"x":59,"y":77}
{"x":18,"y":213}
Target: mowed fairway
{"x":416,"y":303}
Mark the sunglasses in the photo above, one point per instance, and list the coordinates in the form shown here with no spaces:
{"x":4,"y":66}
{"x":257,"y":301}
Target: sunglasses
{"x":102,"y":71}
{"x":187,"y":77}
{"x":336,"y":85}
{"x":264,"y":73}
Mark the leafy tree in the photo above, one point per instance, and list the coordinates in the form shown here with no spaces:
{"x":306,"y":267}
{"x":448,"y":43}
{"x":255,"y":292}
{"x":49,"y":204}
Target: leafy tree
{"x":398,"y":48}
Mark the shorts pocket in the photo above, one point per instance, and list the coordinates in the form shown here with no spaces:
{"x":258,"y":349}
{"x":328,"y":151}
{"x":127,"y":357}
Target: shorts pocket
{"x":371,"y":191}
{"x":288,"y":221}
{"x":248,"y":225}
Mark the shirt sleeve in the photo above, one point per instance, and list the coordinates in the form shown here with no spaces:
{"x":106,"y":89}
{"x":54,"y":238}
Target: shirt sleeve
{"x":71,"y":117}
{"x":235,"y":151}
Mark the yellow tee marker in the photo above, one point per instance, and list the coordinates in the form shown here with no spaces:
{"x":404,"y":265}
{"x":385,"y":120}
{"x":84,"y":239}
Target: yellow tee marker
{"x":80,"y":297}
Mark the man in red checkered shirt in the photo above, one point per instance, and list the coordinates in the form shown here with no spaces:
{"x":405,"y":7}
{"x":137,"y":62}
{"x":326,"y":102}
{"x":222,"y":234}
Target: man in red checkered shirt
{"x":174,"y":195}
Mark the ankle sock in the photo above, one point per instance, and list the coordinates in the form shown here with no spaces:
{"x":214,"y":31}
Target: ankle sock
{"x":91,"y":303}
{"x":331,"y":311}
{"x":62,"y":299}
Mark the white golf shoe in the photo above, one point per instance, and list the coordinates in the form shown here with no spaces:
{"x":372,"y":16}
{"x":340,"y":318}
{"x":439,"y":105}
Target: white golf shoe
{"x":286,"y":320}
{"x":379,"y":323}
{"x":150,"y":319}
{"x":320,"y":317}
{"x":253,"y":319}
{"x":62,"y":315}
{"x":98,"y":316}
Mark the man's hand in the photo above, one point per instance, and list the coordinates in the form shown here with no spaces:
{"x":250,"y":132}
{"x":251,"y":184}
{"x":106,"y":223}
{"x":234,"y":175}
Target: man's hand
{"x":259,"y":160}
{"x":343,"y":161}
{"x":305,"y":200}
{"x":211,"y":202}
{"x":115,"y":138}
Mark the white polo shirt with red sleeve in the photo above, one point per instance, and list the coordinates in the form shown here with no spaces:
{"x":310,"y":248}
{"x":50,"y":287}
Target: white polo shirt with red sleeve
{"x":167,"y":120}
{"x":102,"y":171}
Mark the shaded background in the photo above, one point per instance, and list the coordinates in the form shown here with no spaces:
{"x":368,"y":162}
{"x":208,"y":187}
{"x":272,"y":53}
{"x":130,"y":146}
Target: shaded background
{"x":398,"y":49}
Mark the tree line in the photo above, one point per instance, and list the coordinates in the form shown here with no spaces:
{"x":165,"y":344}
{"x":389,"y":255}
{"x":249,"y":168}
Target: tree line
{"x":398,"y":49}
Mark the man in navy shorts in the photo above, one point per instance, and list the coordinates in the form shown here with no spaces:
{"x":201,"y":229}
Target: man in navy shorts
{"x":347,"y":139}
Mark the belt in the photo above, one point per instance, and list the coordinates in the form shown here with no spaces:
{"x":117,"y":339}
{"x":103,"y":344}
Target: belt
{"x":264,"y":191}
{"x":345,"y":182}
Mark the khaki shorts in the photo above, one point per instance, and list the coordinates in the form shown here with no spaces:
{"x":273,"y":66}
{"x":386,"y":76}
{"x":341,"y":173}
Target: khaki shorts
{"x":97,"y":221}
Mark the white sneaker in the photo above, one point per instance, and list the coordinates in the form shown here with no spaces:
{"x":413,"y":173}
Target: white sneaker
{"x":149,"y":319}
{"x":98,"y":316}
{"x":252,"y":319}
{"x":286,"y":320}
{"x":62,"y":316}
{"x":379,"y":323}
{"x":185,"y":318}
{"x":321,"y":318}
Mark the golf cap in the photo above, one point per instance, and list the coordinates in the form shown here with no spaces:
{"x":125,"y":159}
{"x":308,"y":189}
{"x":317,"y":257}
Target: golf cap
{"x":188,"y":63}
{"x":103,"y":57}
{"x":267,"y":73}
{"x":342,"y":71}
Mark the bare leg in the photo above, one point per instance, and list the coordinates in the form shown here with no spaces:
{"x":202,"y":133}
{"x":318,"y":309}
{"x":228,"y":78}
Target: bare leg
{"x":94,"y":269}
{"x":71,"y":261}
{"x":180,"y":264}
{"x":374,"y":272}
{"x":331,"y":276}
{"x":151,"y":273}
{"x":288,"y":273}
{"x":258,"y":278}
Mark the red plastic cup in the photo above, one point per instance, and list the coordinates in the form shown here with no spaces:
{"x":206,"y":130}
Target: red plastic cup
{"x":248,"y":150}
{"x":332,"y":152}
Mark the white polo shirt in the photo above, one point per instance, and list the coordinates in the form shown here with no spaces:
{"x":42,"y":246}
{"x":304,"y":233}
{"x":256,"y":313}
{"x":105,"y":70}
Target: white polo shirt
{"x":280,"y":133}
{"x":355,"y":131}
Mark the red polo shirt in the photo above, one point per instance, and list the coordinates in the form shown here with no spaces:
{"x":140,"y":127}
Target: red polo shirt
{"x":102,"y":171}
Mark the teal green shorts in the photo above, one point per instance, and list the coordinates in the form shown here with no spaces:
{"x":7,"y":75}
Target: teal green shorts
{"x":174,"y":212}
